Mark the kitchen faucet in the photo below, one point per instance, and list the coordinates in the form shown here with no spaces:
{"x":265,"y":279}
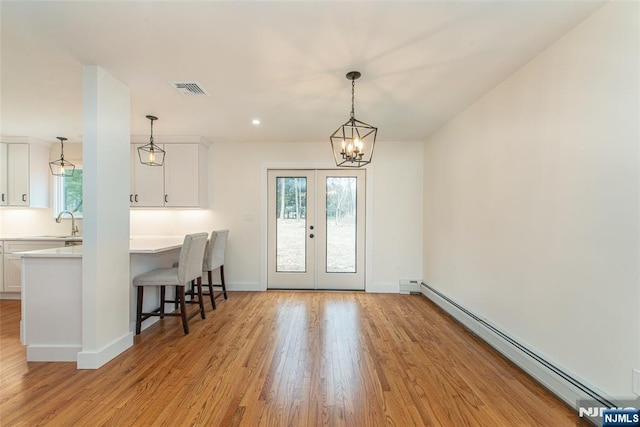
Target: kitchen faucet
{"x":74,"y":228}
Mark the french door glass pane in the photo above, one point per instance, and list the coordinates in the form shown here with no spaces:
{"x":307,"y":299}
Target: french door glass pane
{"x":341,"y":224}
{"x":291,"y":224}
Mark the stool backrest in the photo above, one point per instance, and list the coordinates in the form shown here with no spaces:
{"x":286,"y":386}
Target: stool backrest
{"x":214,"y":256}
{"x":191,"y":255}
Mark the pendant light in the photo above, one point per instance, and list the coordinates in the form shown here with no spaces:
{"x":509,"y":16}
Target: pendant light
{"x":353,"y":142}
{"x":151,"y":154}
{"x":61,"y":167}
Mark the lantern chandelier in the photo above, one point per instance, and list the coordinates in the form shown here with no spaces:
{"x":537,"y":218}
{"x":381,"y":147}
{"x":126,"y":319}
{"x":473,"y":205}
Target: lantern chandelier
{"x":62,"y":167}
{"x":151,"y":154}
{"x":353,"y":142}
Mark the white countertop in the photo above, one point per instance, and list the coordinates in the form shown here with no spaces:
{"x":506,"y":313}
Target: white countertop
{"x":63,"y":252}
{"x":137,"y":245}
{"x":40,"y":237}
{"x":154,"y":244}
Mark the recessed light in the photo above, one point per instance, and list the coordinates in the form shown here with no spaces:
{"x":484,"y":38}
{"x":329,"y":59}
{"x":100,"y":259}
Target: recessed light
{"x":255,"y":121}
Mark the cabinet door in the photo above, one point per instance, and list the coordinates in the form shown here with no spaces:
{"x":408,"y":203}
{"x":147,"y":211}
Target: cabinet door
{"x":132,"y":175}
{"x":1,"y":268}
{"x":12,"y":273}
{"x":4,"y":198}
{"x":181,"y":175}
{"x":148,"y":188}
{"x":18,"y":174}
{"x":13,"y":263}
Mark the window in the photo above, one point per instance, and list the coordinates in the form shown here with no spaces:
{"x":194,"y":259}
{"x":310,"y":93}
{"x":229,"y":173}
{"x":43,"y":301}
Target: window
{"x":67,"y":193}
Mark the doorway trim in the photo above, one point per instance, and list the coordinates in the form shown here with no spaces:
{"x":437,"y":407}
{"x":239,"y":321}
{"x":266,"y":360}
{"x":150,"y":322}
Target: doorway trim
{"x":264,"y":168}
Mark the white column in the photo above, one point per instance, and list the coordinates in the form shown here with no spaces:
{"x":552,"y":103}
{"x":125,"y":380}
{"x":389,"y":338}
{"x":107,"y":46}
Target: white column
{"x":105,"y":265}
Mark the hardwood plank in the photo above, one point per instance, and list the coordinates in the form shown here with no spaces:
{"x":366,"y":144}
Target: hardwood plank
{"x":284,"y":358}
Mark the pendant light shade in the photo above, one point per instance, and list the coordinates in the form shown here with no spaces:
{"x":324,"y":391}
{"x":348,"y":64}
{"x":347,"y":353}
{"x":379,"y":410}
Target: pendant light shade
{"x":353,"y":142}
{"x":62,"y":167}
{"x":151,"y":154}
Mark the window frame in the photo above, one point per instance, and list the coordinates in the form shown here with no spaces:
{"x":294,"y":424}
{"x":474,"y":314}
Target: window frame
{"x":58,"y":191}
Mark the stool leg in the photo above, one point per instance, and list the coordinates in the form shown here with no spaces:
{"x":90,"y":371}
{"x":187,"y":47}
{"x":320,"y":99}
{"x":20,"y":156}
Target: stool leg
{"x":224,"y":288}
{"x":200,"y":302}
{"x":139,"y":310}
{"x":162,"y":297}
{"x":211,"y":295}
{"x":183,"y":308}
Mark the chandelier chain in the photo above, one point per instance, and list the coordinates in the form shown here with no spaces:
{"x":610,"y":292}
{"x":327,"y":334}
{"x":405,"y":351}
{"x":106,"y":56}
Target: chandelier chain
{"x":353,"y":88}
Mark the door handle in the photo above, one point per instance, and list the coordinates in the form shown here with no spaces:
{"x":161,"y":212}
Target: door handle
{"x":24,"y":197}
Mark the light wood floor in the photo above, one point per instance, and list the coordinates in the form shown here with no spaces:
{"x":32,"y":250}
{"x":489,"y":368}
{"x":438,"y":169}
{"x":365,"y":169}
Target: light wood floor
{"x":283,"y":359}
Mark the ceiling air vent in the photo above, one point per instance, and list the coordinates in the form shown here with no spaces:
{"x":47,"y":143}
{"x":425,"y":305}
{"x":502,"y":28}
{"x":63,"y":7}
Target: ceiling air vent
{"x":189,"y":88}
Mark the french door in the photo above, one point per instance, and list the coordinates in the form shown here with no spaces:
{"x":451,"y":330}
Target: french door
{"x":316,"y":229}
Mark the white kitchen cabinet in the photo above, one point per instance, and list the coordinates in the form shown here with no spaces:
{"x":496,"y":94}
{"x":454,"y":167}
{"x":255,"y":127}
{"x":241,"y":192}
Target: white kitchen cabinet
{"x":18,"y":172}
{"x":181,"y":175}
{"x":181,"y":182}
{"x":12,"y":263}
{"x":1,"y":266}
{"x":4,"y":197}
{"x":12,"y":273}
{"x":24,"y":174}
{"x":147,"y":182}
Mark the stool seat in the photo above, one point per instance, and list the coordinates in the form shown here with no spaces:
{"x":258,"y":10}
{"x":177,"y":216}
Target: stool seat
{"x":188,"y":272}
{"x":158,"y":277}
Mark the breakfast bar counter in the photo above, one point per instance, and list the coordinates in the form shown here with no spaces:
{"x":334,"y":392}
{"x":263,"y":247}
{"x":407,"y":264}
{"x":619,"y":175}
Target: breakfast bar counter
{"x":51,"y":324}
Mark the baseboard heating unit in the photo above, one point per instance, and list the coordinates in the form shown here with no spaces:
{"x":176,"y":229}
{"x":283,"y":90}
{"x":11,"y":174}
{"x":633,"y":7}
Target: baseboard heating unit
{"x":561,"y":383}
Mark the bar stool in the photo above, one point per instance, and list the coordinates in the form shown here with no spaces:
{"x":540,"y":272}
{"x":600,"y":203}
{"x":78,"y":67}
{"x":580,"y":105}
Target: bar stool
{"x":188,"y":271}
{"x":214,"y":258}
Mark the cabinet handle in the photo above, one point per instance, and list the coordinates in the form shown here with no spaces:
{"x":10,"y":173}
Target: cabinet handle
{"x":136,"y":198}
{"x":165,"y":199}
{"x":24,"y":197}
{"x":3,"y":197}
{"x":130,"y":198}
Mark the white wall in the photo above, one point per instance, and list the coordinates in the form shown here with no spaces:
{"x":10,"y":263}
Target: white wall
{"x":236,"y":189}
{"x":531,"y":203}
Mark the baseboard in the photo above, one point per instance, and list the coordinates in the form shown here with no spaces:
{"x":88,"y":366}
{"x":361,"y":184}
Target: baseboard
{"x":10,"y":295}
{"x":95,"y":359}
{"x":565,"y":385}
{"x":44,"y":353}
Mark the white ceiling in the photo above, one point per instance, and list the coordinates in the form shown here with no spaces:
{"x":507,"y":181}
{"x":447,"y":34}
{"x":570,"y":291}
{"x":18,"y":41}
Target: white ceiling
{"x":422,"y":62}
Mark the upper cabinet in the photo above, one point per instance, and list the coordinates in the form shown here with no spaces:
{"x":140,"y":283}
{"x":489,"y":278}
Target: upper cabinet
{"x":4,"y":186}
{"x":24,"y":174}
{"x":181,"y":182}
{"x":147,"y":182}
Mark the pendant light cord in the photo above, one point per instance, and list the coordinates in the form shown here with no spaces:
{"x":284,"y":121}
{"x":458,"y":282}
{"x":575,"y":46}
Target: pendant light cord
{"x":61,"y":148}
{"x":353,"y":88}
{"x":151,"y":138}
